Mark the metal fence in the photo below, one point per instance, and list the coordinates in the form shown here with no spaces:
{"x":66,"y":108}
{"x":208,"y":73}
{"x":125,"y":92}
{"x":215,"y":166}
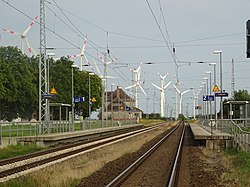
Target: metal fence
{"x":238,"y":128}
{"x":10,"y":131}
{"x":241,"y":137}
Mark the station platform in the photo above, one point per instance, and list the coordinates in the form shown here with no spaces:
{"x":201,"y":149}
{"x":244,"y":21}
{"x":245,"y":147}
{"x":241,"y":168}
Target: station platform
{"x":216,"y":140}
{"x":66,"y":137}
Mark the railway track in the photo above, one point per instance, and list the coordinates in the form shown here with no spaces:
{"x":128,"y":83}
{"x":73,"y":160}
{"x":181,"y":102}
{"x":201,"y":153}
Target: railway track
{"x":15,"y":167}
{"x":158,"y":166}
{"x":99,"y":136}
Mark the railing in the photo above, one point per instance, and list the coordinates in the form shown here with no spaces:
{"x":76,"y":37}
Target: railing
{"x":10,"y":131}
{"x":241,"y":137}
{"x":238,"y":128}
{"x":217,"y":125}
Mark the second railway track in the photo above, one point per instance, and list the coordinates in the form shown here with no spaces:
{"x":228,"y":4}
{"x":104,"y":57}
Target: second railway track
{"x":14,"y":168}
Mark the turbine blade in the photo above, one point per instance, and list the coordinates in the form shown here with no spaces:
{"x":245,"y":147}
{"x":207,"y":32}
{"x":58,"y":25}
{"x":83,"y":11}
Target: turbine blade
{"x":156,"y":86}
{"x":138,"y":69}
{"x":30,"y":49}
{"x":109,"y":62}
{"x":28,"y":45}
{"x":185,"y":92}
{"x":142,"y":90}
{"x":110,"y":77}
{"x":100,"y":58}
{"x":73,"y":56}
{"x":167,"y":85}
{"x":97,"y":69}
{"x":12,"y":32}
{"x":29,"y":27}
{"x":163,"y":77}
{"x":84,"y":44}
{"x":88,"y":62}
{"x":177,"y":89}
{"x":131,"y":86}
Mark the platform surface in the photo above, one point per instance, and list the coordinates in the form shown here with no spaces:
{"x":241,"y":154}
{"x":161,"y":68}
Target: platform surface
{"x":202,"y":132}
{"x":68,"y":135}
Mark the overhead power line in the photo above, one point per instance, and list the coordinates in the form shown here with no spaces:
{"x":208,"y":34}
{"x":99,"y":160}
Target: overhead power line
{"x":163,"y":36}
{"x":212,"y":37}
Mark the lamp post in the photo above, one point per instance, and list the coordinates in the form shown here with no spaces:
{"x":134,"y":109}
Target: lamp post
{"x":90,"y":101}
{"x":204,"y":103}
{"x":111,"y":103}
{"x":221,"y":89}
{"x":207,"y":110}
{"x":193,"y":102}
{"x":215,"y":113}
{"x":210,"y":93}
{"x":198,"y":102}
{"x":47,"y":109}
{"x":72,"y":92}
{"x":210,"y":103}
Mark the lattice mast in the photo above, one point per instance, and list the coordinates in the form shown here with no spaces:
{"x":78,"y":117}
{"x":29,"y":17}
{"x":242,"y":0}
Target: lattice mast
{"x":43,"y":82}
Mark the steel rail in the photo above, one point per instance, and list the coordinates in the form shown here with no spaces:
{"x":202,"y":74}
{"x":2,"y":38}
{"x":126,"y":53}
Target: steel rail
{"x":171,"y":181}
{"x":18,"y":169}
{"x":118,"y":180}
{"x":101,"y":135}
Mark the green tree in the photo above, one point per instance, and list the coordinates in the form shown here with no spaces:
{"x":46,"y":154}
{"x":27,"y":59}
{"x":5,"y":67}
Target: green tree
{"x":241,"y":95}
{"x":18,"y":84}
{"x":61,"y":80}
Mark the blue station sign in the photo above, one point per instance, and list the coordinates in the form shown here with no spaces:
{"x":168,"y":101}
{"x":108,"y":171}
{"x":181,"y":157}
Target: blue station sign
{"x":208,"y":97}
{"x":78,"y":99}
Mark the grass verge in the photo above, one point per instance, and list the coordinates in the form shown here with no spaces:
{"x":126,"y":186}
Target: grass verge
{"x":151,"y":121}
{"x":238,"y":166}
{"x":18,"y":150}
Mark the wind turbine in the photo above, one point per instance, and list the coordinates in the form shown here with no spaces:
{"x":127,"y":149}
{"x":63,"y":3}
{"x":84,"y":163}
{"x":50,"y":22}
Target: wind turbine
{"x":82,"y":54}
{"x":162,"y":89}
{"x":137,"y":77}
{"x":180,"y":94}
{"x":24,"y":37}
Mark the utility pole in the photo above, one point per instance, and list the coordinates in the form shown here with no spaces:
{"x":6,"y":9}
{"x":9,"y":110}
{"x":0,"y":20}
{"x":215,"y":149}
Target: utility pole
{"x":176,"y":84}
{"x":154,"y":98}
{"x":43,"y":79}
{"x":105,"y":87}
{"x":233,"y":80}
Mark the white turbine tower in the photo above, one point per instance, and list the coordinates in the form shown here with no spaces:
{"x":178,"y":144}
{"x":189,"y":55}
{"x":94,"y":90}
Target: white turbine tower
{"x":180,"y":94}
{"x":162,"y":89}
{"x":137,"y":77}
{"x":82,"y":54}
{"x":24,"y":37}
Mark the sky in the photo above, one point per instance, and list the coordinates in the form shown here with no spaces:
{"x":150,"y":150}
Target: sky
{"x":143,"y":32}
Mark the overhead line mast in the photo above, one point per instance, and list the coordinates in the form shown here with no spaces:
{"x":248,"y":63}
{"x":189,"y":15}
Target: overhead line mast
{"x":43,"y":79}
